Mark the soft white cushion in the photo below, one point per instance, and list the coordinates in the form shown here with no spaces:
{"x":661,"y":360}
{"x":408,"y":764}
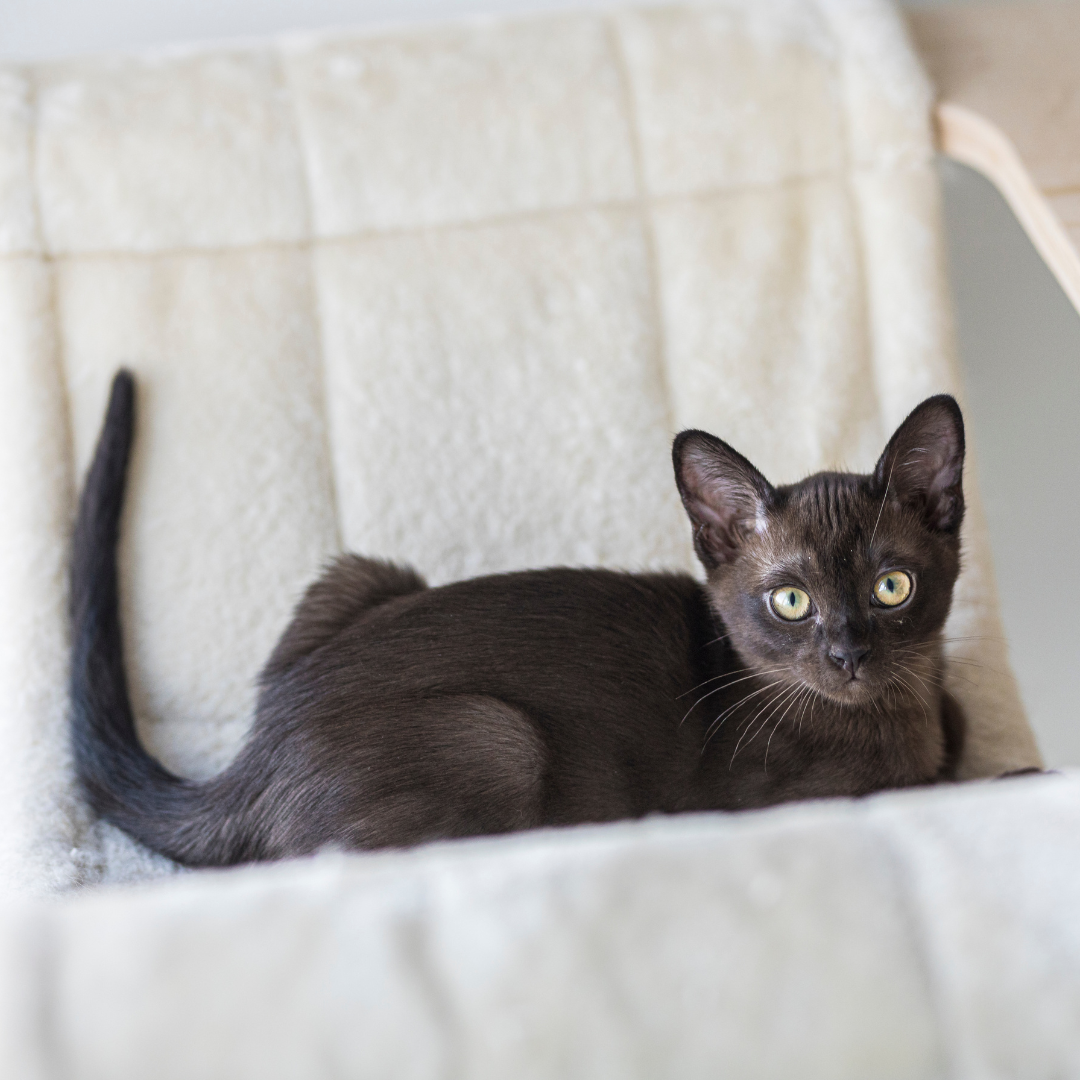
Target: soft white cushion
{"x":906,"y":936}
{"x":442,"y":295}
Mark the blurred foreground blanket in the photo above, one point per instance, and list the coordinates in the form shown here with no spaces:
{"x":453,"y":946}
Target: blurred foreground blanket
{"x":901,"y":937}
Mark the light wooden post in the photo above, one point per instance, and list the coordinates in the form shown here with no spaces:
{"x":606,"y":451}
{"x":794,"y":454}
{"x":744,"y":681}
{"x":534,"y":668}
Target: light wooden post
{"x":1008,"y":80}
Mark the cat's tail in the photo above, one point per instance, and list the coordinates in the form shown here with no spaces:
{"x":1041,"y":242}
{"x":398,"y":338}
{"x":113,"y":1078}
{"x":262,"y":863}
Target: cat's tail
{"x":120,"y":780}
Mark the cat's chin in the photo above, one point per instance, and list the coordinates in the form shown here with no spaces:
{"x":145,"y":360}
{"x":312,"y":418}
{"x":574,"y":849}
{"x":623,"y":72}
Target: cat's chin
{"x":852,"y":692}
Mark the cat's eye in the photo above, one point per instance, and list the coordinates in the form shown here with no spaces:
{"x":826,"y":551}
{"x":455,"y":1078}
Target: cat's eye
{"x":893,"y":588}
{"x":790,"y":603}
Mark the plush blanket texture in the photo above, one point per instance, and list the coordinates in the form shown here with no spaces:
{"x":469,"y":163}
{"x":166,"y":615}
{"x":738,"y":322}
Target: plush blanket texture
{"x":444,"y":296}
{"x":901,"y":937}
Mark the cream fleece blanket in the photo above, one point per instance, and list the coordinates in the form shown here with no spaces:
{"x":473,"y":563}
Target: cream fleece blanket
{"x":444,"y":296}
{"x":900,"y":938}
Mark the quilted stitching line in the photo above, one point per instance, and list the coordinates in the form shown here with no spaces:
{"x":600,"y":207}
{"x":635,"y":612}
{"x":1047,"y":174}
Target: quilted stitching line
{"x":644,"y":210}
{"x":317,"y":312}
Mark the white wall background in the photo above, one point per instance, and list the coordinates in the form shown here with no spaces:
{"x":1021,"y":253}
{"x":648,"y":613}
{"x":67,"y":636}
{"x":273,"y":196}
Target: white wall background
{"x":38,"y":29}
{"x":1019,"y":336}
{"x":1020,"y":346}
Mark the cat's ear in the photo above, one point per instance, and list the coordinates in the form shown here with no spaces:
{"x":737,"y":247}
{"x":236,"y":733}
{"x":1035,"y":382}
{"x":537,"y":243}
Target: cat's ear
{"x":725,"y":497}
{"x":923,"y":465}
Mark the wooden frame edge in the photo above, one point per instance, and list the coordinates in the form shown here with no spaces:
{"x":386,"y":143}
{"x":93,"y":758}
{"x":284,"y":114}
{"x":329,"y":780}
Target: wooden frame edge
{"x":973,"y":140}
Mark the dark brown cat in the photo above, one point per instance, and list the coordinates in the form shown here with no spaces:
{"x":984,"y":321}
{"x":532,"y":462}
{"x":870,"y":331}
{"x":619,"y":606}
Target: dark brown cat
{"x":809,"y":665}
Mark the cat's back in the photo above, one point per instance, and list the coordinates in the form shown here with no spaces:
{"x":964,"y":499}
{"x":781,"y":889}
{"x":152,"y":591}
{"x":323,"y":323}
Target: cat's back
{"x":553,"y":613}
{"x":557,"y":638}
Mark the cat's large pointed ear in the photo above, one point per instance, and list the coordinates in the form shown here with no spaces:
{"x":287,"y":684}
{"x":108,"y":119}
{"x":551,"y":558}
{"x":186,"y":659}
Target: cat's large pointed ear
{"x":923,"y":465}
{"x":725,"y":497}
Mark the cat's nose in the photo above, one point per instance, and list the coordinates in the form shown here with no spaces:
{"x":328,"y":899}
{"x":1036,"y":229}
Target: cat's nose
{"x":849,"y":659}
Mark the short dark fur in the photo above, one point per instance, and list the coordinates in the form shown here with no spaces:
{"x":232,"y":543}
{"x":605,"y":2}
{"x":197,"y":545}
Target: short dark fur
{"x":390,"y":713}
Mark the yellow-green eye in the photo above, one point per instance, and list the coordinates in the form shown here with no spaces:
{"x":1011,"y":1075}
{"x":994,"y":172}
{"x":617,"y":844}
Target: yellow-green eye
{"x":790,"y":603}
{"x":892,"y":588}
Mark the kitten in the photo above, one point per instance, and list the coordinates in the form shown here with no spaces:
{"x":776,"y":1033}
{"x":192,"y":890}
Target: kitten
{"x":808,"y":665}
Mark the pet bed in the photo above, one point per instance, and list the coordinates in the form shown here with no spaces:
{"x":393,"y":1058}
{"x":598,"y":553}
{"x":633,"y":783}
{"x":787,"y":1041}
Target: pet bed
{"x":444,"y":295}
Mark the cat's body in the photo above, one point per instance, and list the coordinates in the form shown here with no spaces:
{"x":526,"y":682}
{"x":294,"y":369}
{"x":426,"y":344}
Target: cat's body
{"x":391,"y":714}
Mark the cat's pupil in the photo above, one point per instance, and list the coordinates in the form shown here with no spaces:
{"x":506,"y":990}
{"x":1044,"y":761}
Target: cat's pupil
{"x":890,"y":584}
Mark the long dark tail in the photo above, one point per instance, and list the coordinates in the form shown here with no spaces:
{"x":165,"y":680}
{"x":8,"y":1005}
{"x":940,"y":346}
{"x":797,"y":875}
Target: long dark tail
{"x":121,"y":781}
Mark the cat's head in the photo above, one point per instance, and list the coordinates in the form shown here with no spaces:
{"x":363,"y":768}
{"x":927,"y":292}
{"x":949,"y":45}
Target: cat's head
{"x":842,"y":581}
